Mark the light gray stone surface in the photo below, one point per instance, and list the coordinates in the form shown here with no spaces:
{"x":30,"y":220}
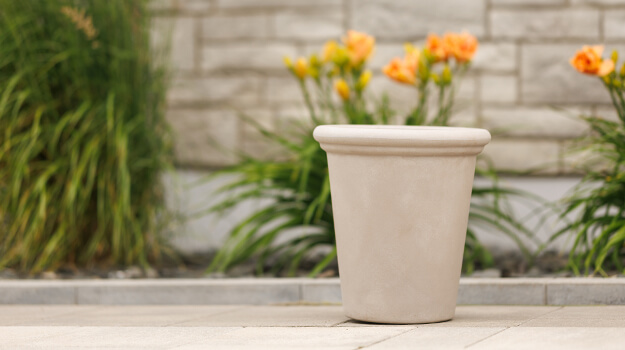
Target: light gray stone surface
{"x":254,"y":26}
{"x":536,"y":123}
{"x":503,"y":292}
{"x":314,"y":327}
{"x":44,"y":293}
{"x":237,"y":56}
{"x":585,"y":292}
{"x":321,"y":291}
{"x":309,"y":25}
{"x":228,"y":54}
{"x":556,"y":338}
{"x":519,"y":155}
{"x":251,"y":292}
{"x":273,"y":316}
{"x":498,"y":89}
{"x":268,"y":291}
{"x":496,"y":56}
{"x":406,"y":19}
{"x":573,"y":23}
{"x":205,"y":136}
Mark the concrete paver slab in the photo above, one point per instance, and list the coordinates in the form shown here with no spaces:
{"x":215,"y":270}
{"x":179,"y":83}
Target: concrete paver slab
{"x":273,"y":316}
{"x":145,"y":337}
{"x":554,"y":338}
{"x":132,"y":315}
{"x":10,"y":337}
{"x":582,"y":316}
{"x":494,"y":316}
{"x":297,"y":338}
{"x":434,"y":338}
{"x":315,"y":327}
{"x":13,"y":315}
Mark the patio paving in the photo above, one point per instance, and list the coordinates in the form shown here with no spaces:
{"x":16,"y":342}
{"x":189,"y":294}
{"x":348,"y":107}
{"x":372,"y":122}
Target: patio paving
{"x":311,"y":326}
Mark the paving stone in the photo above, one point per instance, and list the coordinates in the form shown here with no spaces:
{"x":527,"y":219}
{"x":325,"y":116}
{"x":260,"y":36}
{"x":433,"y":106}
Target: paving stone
{"x":613,"y":24}
{"x":14,"y":315}
{"x":322,"y":291}
{"x":281,"y":90}
{"x":437,"y":338}
{"x":599,"y":2}
{"x":501,"y":292}
{"x":498,"y":89}
{"x":254,"y":26}
{"x":180,"y":33}
{"x":538,"y":156}
{"x":13,"y":336}
{"x":145,"y":337}
{"x":586,"y":292}
{"x":547,"y":77}
{"x":498,"y":57}
{"x":535,"y":122}
{"x":133,"y":316}
{"x":194,"y":91}
{"x":274,"y":316}
{"x":298,"y":337}
{"x":560,"y":23}
{"x":26,"y":292}
{"x":409,"y":19}
{"x":581,"y":316}
{"x":246,"y":56}
{"x":494,"y":316}
{"x":528,"y":2}
{"x":274,"y":3}
{"x":189,"y":292}
{"x":559,"y":338}
{"x":309,"y":25}
{"x":204,"y":137}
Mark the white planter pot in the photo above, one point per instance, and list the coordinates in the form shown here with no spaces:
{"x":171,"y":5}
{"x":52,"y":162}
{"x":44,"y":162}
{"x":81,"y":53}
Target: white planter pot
{"x":401,"y":197}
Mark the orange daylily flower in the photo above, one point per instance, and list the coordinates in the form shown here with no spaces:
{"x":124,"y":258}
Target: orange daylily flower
{"x":462,"y":46}
{"x":359,"y":46}
{"x":436,"y":46}
{"x":588,"y":61}
{"x":399,"y":71}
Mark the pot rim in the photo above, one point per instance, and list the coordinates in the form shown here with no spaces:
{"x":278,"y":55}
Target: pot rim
{"x":400,"y":136}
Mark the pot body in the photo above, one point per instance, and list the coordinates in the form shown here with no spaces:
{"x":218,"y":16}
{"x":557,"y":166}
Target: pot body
{"x":401,"y":198}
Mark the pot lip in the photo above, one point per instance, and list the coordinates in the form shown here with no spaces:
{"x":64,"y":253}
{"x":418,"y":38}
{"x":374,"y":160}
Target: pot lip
{"x":400,"y":135}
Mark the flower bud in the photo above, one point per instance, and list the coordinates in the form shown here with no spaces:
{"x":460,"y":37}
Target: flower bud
{"x":342,"y":89}
{"x":622,"y":72}
{"x":614,"y":56}
{"x":363,"y":81}
{"x":288,"y":62}
{"x":446,"y":75}
{"x":435,"y":78}
{"x":301,"y":68}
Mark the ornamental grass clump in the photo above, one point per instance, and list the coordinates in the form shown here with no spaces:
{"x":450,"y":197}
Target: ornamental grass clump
{"x":599,"y":200}
{"x":83,"y":139}
{"x":334,"y":87}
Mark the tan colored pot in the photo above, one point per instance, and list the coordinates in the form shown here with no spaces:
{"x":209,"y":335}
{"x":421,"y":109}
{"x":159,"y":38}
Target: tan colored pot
{"x":401,"y":197}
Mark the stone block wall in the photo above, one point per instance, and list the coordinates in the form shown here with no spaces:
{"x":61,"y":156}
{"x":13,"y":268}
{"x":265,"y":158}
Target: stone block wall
{"x":227,"y":58}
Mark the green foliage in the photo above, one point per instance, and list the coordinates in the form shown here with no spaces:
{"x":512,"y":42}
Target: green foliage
{"x":83,"y":140}
{"x":599,"y":228}
{"x":298,"y":217}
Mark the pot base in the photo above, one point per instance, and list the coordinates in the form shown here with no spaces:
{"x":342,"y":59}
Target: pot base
{"x":397,"y":320}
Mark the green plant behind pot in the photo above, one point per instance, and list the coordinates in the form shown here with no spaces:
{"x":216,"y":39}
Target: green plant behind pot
{"x":598,"y":202}
{"x":297,"y":186}
{"x":83,"y":138}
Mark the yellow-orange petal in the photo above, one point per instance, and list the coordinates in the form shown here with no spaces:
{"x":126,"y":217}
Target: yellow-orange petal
{"x":607,"y":67}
